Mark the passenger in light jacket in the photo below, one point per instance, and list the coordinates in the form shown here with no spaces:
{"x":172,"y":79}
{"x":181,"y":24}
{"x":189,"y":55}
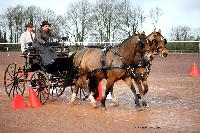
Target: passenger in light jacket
{"x":27,"y":36}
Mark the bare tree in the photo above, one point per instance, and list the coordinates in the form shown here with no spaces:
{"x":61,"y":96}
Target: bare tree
{"x":115,"y":20}
{"x":181,"y":33}
{"x":18,"y":20}
{"x":9,"y":15}
{"x":132,"y":18}
{"x":78,"y":16}
{"x":155,"y":13}
{"x":15,"y":19}
{"x":105,"y":19}
{"x":196,"y":34}
{"x":33,"y":14}
{"x":3,"y":22}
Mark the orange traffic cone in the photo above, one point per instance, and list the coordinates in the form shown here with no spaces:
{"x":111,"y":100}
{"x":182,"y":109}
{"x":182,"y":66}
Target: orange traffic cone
{"x":194,"y":71}
{"x":100,"y":92}
{"x":33,"y":100}
{"x":18,"y":102}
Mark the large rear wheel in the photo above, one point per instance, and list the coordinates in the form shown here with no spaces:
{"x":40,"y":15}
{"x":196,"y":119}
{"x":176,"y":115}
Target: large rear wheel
{"x":14,"y":80}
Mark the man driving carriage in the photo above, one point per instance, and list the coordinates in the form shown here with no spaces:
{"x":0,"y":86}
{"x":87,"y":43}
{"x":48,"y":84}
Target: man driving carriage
{"x":42,"y":41}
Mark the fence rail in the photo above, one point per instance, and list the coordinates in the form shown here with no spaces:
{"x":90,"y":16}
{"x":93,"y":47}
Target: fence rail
{"x":173,"y":46}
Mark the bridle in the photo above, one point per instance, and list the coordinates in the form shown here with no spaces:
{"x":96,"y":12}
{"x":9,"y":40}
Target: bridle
{"x":154,"y":44}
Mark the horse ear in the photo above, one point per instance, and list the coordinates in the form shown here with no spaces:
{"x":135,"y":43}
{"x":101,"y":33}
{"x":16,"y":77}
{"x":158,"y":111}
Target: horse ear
{"x":159,"y":31}
{"x":143,"y":32}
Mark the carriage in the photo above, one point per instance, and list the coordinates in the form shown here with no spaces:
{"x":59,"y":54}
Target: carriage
{"x":65,"y":69}
{"x":45,"y":81}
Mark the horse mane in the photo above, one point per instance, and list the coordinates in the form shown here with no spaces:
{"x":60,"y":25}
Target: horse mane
{"x":156,"y":32}
{"x":126,"y":40}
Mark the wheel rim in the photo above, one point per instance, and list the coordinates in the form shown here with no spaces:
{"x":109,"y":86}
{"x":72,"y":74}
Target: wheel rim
{"x":13,"y":80}
{"x":40,"y":84}
{"x":57,"y":87}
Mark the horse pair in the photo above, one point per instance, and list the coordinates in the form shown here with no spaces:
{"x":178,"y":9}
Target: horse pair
{"x":115,"y":63}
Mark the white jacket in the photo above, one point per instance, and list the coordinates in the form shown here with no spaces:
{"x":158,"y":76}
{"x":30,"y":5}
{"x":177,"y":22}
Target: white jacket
{"x":25,"y":38}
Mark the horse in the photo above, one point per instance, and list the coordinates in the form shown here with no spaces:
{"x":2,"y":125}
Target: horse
{"x":140,"y":68}
{"x":111,"y":63}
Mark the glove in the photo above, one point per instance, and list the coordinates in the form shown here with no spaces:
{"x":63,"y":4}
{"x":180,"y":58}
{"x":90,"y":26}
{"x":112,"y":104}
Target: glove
{"x":46,"y":44}
{"x":30,"y":44}
{"x":25,"y":51}
{"x":64,"y":38}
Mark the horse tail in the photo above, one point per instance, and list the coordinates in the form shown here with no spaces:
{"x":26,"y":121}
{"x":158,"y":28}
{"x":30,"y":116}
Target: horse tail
{"x":93,"y":86}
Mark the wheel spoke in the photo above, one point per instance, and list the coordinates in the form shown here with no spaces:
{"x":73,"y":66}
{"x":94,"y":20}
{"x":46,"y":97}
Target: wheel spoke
{"x":11,"y":75}
{"x":12,"y":81}
{"x":13,"y":91}
{"x":10,"y":91}
{"x":41,"y":83}
{"x":20,"y":89}
{"x":9,"y":84}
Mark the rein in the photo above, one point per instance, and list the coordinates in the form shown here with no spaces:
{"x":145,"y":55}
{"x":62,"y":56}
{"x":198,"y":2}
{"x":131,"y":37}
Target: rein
{"x":139,"y":47}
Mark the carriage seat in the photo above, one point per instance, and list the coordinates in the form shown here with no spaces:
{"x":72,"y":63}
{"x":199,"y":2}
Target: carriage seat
{"x":29,"y":52}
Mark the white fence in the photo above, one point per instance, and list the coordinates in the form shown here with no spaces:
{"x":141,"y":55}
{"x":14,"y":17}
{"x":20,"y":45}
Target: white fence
{"x":110,"y":43}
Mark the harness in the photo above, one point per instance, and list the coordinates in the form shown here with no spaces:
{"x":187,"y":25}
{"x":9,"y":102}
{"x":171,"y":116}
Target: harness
{"x":134,"y":74}
{"x":103,"y":68}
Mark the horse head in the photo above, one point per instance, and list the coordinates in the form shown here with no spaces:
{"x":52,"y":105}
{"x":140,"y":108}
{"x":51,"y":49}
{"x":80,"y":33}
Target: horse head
{"x":143,"y":47}
{"x":157,"y":44}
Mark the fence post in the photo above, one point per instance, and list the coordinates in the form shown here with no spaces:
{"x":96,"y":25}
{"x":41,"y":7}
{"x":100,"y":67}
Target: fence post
{"x":199,"y":46}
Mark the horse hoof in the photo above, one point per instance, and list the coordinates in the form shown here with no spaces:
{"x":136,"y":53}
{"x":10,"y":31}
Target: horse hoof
{"x":73,"y":103}
{"x":114,"y":104}
{"x":144,"y":103}
{"x":94,"y":105}
{"x":139,"y":108}
{"x":103,"y":107}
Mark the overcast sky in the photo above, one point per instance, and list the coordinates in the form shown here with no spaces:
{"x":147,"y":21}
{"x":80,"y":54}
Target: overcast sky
{"x":175,"y":12}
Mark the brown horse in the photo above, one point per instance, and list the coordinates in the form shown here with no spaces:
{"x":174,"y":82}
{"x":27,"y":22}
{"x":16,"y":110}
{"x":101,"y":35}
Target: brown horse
{"x":112,"y":64}
{"x":140,"y":68}
{"x":157,"y":46}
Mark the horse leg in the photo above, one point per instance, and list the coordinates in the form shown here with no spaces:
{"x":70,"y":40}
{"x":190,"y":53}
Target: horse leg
{"x":114,"y":98}
{"x":109,"y":85}
{"x":90,"y":91}
{"x":140,"y":84}
{"x":75,"y":91}
{"x":84,"y":85}
{"x":146,"y":88}
{"x":115,"y":101}
{"x":128,"y":81}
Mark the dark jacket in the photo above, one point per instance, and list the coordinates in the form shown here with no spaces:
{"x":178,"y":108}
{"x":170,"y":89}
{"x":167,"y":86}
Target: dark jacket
{"x":43,"y":37}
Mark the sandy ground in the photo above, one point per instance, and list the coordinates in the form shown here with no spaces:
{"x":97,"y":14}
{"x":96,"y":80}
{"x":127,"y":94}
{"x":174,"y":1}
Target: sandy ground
{"x":173,"y":98}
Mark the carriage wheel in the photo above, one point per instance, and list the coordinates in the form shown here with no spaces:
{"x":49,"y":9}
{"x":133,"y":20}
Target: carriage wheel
{"x":41,"y":85}
{"x":57,"y":88}
{"x":13,"y":80}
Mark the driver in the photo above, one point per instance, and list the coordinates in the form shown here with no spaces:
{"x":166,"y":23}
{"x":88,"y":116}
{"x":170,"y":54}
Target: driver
{"x":43,"y":34}
{"x":42,"y":39}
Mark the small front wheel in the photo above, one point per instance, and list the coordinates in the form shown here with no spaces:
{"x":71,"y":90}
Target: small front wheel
{"x":41,"y":85}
